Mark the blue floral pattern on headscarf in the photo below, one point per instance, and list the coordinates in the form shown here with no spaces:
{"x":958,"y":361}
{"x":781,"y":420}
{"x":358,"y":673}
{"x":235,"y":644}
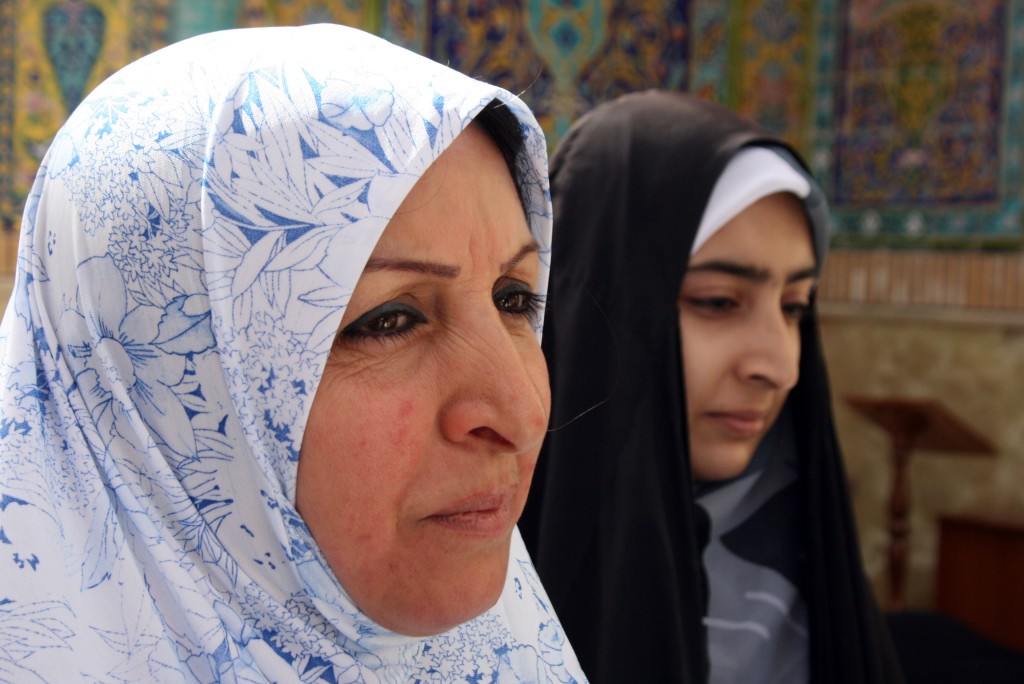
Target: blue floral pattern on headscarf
{"x":188,"y":249}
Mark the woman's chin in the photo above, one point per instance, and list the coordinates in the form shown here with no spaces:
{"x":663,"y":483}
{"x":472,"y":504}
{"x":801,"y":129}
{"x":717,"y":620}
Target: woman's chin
{"x":722,"y":462}
{"x":436,"y":607}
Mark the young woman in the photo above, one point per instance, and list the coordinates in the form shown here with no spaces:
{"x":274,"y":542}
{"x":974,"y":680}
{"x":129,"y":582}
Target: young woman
{"x":690,"y":516}
{"x":271,"y":386}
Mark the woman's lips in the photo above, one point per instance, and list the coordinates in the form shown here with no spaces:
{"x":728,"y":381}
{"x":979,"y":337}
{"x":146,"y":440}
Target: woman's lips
{"x":483,"y":515}
{"x":740,"y":424}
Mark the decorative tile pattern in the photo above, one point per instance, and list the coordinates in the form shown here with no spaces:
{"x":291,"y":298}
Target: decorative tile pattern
{"x":910,"y":113}
{"x":646,"y":45}
{"x":710,"y":32}
{"x":564,"y":57}
{"x":771,"y":65}
{"x":8,"y":202}
{"x":194,"y":17}
{"x":404,"y":22}
{"x":920,"y":142}
{"x":491,"y":40}
{"x":348,"y":12}
{"x":54,"y":55}
{"x":758,"y":57}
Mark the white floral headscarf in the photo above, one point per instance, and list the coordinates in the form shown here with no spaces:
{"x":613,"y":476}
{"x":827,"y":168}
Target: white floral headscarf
{"x":188,"y":249}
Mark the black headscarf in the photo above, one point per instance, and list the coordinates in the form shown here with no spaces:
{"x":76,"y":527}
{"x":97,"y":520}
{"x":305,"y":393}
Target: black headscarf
{"x":611,"y":521}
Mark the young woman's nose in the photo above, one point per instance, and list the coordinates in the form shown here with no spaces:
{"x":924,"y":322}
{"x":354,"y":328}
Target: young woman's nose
{"x":771,"y":350}
{"x":500,"y":396}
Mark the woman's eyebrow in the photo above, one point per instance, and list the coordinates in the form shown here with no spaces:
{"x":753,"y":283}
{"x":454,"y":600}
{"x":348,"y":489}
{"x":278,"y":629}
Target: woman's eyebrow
{"x":425,"y":267}
{"x":751,"y":273}
{"x":442,"y":270}
{"x":803,"y":274}
{"x":530,"y":247}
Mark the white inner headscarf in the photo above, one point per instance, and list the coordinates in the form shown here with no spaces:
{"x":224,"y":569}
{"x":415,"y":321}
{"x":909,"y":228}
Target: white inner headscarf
{"x":752,"y":174}
{"x":188,"y":249}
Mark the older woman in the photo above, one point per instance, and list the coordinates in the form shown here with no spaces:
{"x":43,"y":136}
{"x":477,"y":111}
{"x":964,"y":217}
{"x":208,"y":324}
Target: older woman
{"x":272,"y":390}
{"x":690,"y":518}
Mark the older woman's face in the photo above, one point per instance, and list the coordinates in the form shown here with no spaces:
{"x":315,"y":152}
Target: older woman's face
{"x":424,"y":431}
{"x":740,"y":306}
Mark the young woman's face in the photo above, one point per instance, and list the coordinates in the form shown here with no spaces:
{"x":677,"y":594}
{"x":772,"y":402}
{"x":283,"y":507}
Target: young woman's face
{"x":426,"y":425}
{"x":740,"y":306}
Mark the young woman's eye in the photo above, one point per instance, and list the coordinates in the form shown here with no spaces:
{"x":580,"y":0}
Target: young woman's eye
{"x":518,"y":300}
{"x":388,"y":320}
{"x":712,"y":305}
{"x":796,"y":310}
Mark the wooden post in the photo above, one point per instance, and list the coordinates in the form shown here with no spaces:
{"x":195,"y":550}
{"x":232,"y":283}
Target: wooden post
{"x":913,"y":423}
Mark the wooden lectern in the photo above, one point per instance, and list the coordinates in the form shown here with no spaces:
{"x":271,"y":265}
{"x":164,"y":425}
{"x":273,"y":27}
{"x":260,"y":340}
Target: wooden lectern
{"x":921,"y":423}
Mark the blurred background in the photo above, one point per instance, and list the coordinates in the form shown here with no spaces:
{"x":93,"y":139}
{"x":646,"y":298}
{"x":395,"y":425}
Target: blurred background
{"x":911,"y":114}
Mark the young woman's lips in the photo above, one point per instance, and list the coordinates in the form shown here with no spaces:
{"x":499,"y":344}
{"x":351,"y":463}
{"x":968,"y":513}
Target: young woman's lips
{"x":740,"y":424}
{"x":482,"y":515}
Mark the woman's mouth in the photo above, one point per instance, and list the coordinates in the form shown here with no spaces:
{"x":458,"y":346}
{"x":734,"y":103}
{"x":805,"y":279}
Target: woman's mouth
{"x":740,"y":424}
{"x":483,"y":515}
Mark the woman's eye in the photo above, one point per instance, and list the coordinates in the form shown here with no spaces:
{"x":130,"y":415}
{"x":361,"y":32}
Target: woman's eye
{"x":713,"y":305}
{"x":796,"y":310}
{"x":388,"y":320}
{"x":518,"y":300}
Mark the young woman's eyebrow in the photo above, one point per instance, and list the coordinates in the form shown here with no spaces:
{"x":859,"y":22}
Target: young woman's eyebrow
{"x":751,"y":273}
{"x":811,"y":272}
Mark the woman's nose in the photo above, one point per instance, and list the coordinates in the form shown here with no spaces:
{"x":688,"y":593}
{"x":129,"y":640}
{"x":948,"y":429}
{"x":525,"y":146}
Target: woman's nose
{"x":771,"y":352}
{"x":500,"y":398}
